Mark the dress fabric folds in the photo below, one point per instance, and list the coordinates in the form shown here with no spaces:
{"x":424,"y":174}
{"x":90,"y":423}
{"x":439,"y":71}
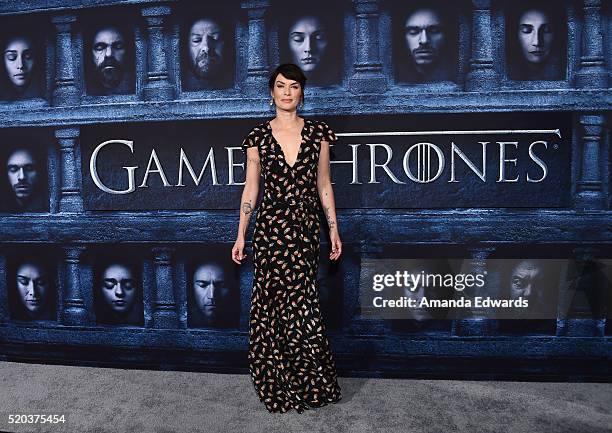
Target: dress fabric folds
{"x":290,"y":360}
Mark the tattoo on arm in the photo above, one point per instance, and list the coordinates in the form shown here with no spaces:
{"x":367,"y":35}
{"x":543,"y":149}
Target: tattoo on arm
{"x":247,"y":208}
{"x":330,"y":220}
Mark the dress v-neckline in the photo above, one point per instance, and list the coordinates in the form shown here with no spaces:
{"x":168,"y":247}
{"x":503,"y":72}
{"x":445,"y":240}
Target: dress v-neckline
{"x":281,"y":148}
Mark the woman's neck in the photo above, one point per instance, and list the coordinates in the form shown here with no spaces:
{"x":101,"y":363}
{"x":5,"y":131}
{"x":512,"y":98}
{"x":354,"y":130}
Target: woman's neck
{"x":287,"y":119}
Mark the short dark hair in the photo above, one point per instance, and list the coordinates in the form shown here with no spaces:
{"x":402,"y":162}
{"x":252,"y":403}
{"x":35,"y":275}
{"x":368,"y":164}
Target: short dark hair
{"x":21,"y":145}
{"x":435,"y":6}
{"x":291,"y":71}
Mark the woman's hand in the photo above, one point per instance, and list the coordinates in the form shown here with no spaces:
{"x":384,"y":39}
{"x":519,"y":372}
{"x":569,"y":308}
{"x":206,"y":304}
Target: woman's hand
{"x":238,"y":251}
{"x":336,"y":244}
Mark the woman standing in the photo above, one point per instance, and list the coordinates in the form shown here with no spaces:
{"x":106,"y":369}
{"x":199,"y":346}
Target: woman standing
{"x":290,"y":361}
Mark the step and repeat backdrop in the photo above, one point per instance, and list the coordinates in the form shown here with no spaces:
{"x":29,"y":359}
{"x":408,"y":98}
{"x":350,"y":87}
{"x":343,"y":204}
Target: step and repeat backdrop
{"x":473,"y":148}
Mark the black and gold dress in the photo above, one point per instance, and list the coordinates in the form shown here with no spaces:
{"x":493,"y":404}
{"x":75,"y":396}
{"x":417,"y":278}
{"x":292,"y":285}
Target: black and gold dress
{"x":290,"y":361}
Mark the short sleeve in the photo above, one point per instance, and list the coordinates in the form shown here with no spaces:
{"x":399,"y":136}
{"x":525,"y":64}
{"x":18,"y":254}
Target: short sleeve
{"x":251,"y":140}
{"x":327,"y":133}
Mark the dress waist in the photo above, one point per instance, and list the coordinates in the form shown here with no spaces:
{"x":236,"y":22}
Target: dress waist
{"x":291,"y":200}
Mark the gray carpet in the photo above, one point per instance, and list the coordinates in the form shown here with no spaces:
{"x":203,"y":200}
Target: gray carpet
{"x":114,"y":400}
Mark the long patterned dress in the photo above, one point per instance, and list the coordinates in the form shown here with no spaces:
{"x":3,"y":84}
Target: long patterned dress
{"x":290,"y":361}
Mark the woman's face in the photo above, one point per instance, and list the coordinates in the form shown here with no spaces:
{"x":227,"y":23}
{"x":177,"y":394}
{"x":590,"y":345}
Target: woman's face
{"x":535,"y":35}
{"x":307,"y":43}
{"x":118,"y":288}
{"x":33,"y":286}
{"x":286,"y":93}
{"x":19,"y":61}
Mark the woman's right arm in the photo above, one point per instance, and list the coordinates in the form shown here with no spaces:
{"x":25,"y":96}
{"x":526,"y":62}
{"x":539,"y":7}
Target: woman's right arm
{"x":248,"y":200}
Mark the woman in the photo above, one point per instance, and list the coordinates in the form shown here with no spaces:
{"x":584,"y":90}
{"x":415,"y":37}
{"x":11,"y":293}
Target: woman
{"x":536,"y":47}
{"x":289,"y":356}
{"x":309,"y":45}
{"x":20,"y":65}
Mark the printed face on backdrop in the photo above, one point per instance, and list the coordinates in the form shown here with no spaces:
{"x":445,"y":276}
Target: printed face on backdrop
{"x":119,"y":288}
{"x":19,"y":62}
{"x":535,"y":35}
{"x":527,"y":281}
{"x":206,"y":48}
{"x":33,"y":287}
{"x":418,"y":313}
{"x":210,"y":291}
{"x":109,"y":56}
{"x":425,"y":38}
{"x":308,"y":42}
{"x":23,"y":174}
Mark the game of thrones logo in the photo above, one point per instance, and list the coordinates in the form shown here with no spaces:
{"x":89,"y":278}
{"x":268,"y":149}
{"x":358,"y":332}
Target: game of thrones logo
{"x":380,"y":162}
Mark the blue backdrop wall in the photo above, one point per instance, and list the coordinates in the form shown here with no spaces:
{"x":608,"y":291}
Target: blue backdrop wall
{"x":62,"y":110}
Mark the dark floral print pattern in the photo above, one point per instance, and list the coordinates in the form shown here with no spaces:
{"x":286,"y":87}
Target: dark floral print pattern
{"x":290,"y":360}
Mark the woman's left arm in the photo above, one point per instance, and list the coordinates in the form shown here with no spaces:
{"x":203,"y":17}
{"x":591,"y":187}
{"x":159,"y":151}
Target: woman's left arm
{"x":326,"y":195}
